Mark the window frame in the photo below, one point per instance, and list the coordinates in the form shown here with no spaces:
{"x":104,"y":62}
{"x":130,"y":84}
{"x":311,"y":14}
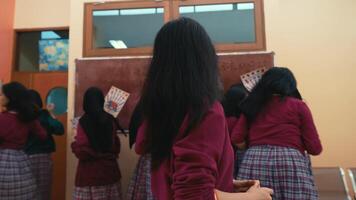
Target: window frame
{"x":89,"y":51}
{"x":15,"y":63}
{"x":171,"y":12}
{"x":260,"y":38}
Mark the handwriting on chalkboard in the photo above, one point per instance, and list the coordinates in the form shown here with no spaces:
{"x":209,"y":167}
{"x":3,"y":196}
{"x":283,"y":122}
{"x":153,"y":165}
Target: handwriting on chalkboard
{"x":229,"y":66}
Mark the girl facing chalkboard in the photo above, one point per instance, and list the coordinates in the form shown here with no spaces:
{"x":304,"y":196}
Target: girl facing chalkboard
{"x":184,"y":128}
{"x":97,"y":147}
{"x":279,"y":129}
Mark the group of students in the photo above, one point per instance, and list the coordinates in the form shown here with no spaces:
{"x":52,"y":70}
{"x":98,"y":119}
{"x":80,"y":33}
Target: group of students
{"x":26,"y":144}
{"x":189,"y":138}
{"x":193,"y":144}
{"x":189,"y":141}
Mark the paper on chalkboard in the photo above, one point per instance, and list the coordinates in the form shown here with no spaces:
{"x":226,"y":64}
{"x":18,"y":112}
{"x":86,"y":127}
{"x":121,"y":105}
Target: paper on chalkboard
{"x":250,"y":79}
{"x":75,"y":122}
{"x":115,"y":101}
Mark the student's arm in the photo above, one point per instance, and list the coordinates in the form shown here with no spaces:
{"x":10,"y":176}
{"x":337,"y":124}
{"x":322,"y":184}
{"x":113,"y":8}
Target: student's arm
{"x":140,"y":139}
{"x":195,"y":159}
{"x":2,"y":124}
{"x":82,"y":150}
{"x":195,"y":164}
{"x":55,"y":127}
{"x":310,"y":135}
{"x":36,"y":128}
{"x":239,"y":132}
{"x":118,"y":126}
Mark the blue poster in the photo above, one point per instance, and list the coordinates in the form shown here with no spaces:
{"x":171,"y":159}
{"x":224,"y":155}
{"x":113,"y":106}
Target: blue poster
{"x":53,"y":55}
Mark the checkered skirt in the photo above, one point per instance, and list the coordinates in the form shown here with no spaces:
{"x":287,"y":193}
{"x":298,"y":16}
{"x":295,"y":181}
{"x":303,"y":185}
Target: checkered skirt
{"x":239,"y":156}
{"x":41,"y":165}
{"x":140,"y":184}
{"x":283,"y":169}
{"x":16,"y":179}
{"x":106,"y":192}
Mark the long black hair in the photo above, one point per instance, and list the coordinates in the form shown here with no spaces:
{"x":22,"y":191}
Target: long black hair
{"x":232,"y":99}
{"x":276,"y":81}
{"x":182,"y":79}
{"x":135,"y":123}
{"x":97,"y":124}
{"x":36,"y":98}
{"x":19,"y":101}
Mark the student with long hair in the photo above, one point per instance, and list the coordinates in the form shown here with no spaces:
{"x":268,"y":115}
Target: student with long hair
{"x":231,"y":104}
{"x":17,"y":122}
{"x":97,"y":147}
{"x":140,"y":184}
{"x":279,"y":129}
{"x":39,"y":151}
{"x":184,"y":128}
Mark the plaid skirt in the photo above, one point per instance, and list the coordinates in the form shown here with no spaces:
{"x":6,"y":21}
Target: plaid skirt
{"x":283,"y":169}
{"x":41,"y":165}
{"x":140,"y":184}
{"x":239,"y":156}
{"x":106,"y":192}
{"x":16,"y":179}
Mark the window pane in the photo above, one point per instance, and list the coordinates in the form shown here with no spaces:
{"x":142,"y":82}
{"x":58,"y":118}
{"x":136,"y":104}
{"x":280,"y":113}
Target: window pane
{"x":42,"y":51}
{"x":225,"y":23}
{"x":126,"y":28}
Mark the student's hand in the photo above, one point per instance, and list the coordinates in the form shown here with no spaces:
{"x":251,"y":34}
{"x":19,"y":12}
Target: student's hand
{"x":260,"y":193}
{"x":50,"y":107}
{"x":245,"y":185}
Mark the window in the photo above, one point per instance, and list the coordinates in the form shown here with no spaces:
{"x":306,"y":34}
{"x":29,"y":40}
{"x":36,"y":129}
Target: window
{"x":129,"y":28}
{"x":41,"y":50}
{"x":233,"y":25}
{"x":217,"y":20}
{"x":123,"y":35}
{"x":122,"y":28}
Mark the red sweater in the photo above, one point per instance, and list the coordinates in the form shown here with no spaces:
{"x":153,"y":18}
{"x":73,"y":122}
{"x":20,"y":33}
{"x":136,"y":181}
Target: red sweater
{"x":286,"y":123}
{"x":95,"y":169}
{"x":231,"y":122}
{"x":14,"y":133}
{"x":200,"y":162}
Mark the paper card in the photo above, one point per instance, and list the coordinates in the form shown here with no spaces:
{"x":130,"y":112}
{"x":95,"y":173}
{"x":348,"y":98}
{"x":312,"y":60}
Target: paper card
{"x":115,"y":101}
{"x":250,"y":79}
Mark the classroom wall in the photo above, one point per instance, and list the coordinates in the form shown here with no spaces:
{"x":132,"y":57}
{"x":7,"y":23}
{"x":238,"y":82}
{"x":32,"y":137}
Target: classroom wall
{"x":316,"y":39}
{"x":41,"y":13}
{"x":7,"y":10}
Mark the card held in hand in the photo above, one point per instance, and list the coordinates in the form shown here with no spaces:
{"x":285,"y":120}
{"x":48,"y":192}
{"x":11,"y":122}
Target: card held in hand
{"x":115,"y":101}
{"x":250,"y":79}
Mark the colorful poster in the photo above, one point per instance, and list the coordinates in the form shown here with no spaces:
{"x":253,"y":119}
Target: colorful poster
{"x":53,"y":55}
{"x":115,"y":101}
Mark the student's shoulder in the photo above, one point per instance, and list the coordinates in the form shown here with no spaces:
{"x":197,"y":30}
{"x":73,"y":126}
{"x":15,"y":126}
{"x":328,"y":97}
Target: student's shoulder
{"x":298,"y":104}
{"x":216,"y":109}
{"x":295,"y":101}
{"x":6,"y":115}
{"x":214,"y":115}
